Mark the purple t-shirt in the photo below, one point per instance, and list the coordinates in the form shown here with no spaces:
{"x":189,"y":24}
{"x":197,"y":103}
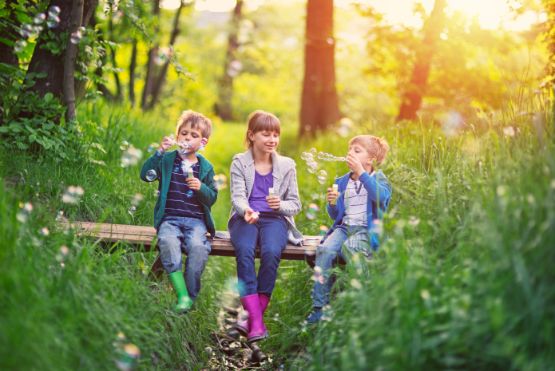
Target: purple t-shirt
{"x":257,"y":199}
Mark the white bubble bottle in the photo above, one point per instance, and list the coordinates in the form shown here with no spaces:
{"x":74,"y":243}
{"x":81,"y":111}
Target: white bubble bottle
{"x":335,"y":189}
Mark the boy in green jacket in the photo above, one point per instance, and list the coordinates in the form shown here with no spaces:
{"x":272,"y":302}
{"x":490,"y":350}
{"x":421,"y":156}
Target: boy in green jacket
{"x":182,"y":213}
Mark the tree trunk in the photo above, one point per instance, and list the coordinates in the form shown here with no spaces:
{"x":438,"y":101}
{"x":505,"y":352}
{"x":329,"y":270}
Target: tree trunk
{"x":9,"y":35}
{"x":319,"y":104}
{"x":119,"y":94}
{"x":151,"y":65}
{"x":69,"y":59}
{"x":46,"y":68}
{"x":224,"y":107}
{"x":412,"y":97}
{"x":132,"y":67}
{"x":160,"y":79}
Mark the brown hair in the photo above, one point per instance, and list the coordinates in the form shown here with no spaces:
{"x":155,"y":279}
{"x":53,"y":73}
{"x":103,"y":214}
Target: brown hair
{"x":197,"y":121}
{"x":376,"y":147}
{"x":261,"y":121}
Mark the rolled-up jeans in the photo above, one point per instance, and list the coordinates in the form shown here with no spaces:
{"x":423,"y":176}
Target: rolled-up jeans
{"x":270,"y":233}
{"x":342,"y":243}
{"x":179,"y":234}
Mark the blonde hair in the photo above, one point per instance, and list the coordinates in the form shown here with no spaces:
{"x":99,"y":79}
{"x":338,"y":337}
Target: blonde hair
{"x":261,"y":121}
{"x":376,"y":147}
{"x":197,"y":121}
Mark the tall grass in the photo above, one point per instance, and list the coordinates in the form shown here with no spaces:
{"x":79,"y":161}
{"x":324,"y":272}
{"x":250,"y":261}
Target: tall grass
{"x":463,"y":279}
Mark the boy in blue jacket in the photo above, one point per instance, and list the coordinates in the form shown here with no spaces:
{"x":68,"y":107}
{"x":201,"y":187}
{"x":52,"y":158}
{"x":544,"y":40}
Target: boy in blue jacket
{"x":182,"y":213}
{"x":356,"y":207}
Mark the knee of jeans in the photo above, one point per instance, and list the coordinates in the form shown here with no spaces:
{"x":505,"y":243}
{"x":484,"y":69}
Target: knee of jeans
{"x":169,"y":243}
{"x":325,"y":250}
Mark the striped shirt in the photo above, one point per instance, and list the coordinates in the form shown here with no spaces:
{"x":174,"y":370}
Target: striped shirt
{"x":182,"y":201}
{"x":356,"y":202}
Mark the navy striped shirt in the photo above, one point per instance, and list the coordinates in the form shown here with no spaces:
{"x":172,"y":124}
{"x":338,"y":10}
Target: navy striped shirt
{"x":182,"y":201}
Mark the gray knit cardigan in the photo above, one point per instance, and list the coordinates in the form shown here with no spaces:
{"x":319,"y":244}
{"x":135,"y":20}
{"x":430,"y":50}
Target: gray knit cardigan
{"x":285,"y":185}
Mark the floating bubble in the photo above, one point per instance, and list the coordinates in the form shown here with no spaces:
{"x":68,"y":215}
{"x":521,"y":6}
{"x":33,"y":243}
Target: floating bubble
{"x":128,"y":357}
{"x":509,"y":131}
{"x":132,"y":210}
{"x":39,"y":18}
{"x":344,"y":127}
{"x":151,"y":175}
{"x":62,"y":253}
{"x":20,"y":45}
{"x":25,"y":210}
{"x":152,"y":147}
{"x":220,"y":181}
{"x":323,"y":230}
{"x":44,"y":231}
{"x":377,"y":226}
{"x":451,"y":123}
{"x":124,"y":145}
{"x":52,"y":21}
{"x":137,"y":198}
{"x":72,"y":195}
{"x":356,"y":284}
{"x":75,"y":37}
{"x":313,"y":209}
{"x":131,"y":156}
{"x":156,"y":193}
{"x":234,"y":68}
{"x":318,"y":275}
{"x":322,"y":176}
{"x":54,"y":10}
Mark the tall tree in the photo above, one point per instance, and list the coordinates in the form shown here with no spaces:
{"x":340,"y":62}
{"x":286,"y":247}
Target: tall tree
{"x":411,"y":99}
{"x":223,"y":107}
{"x":151,"y":62}
{"x":70,"y":57}
{"x":47,"y":64}
{"x":319,"y":103}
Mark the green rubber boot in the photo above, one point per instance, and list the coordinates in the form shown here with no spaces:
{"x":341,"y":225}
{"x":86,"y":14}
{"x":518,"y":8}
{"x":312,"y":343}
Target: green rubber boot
{"x":184,"y":302}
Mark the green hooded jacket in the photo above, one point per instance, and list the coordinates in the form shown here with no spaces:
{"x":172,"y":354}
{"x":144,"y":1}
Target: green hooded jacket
{"x":207,"y":195}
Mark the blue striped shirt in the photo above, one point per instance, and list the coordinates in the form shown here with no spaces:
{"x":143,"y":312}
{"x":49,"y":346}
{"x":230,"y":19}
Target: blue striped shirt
{"x":182,"y":201}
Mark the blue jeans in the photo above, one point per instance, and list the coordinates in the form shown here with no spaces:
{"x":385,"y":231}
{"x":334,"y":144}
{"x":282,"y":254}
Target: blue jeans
{"x":355,"y":240}
{"x":180,"y":234}
{"x":270,"y":233}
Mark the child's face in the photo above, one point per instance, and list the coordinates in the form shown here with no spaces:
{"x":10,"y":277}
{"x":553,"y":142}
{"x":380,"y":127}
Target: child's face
{"x":361,"y":154}
{"x":193,"y":137}
{"x":264,"y":141}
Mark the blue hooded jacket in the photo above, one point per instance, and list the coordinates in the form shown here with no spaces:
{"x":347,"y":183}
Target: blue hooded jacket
{"x":379,"y":194}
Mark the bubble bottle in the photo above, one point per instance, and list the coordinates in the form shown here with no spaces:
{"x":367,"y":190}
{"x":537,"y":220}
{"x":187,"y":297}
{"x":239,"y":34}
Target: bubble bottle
{"x":335,"y":189}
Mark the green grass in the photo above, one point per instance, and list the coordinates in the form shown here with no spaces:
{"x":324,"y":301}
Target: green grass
{"x":463,"y":279}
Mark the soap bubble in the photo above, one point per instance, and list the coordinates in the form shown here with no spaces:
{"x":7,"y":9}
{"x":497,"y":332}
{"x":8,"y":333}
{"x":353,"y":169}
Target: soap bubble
{"x":20,"y":45}
{"x":322,"y":176}
{"x":152,"y":147}
{"x":323,"y":230}
{"x":72,"y":195}
{"x":345,"y":126}
{"x":313,"y":209}
{"x":132,"y":210}
{"x":25,"y":210}
{"x":128,"y":355}
{"x":75,"y":37}
{"x":151,"y":175}
{"x":124,"y":145}
{"x":220,"y":181}
{"x":137,"y":198}
{"x":131,"y":156}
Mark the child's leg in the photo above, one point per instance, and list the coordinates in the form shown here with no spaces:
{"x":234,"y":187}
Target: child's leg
{"x":197,"y":248}
{"x":326,"y":255}
{"x":169,"y":242}
{"x":243,"y":238}
{"x":170,"y":237}
{"x":273,"y":239}
{"x":357,"y":249}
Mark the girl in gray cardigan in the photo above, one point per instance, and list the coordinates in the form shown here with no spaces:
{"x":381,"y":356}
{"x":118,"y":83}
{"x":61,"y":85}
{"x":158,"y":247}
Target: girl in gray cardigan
{"x":264,"y":197}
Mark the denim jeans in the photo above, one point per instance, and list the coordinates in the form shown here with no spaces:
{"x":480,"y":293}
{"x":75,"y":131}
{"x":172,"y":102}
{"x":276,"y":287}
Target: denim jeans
{"x":354,"y":239}
{"x":270,"y":233}
{"x":180,"y":234}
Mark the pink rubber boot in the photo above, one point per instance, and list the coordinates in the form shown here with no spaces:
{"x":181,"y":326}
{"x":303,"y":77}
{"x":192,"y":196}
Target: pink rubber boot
{"x":257,"y":329}
{"x":242,"y":325}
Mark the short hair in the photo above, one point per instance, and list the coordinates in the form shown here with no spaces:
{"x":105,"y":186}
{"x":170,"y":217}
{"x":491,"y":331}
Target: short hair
{"x":197,"y":121}
{"x":376,"y":147}
{"x":261,"y":121}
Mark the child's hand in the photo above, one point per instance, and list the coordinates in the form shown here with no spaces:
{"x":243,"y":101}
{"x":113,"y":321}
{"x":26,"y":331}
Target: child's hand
{"x":273,"y":202}
{"x":166,"y":143}
{"x":193,"y":183}
{"x":251,"y":216}
{"x":355,"y":165}
{"x":332,"y":196}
